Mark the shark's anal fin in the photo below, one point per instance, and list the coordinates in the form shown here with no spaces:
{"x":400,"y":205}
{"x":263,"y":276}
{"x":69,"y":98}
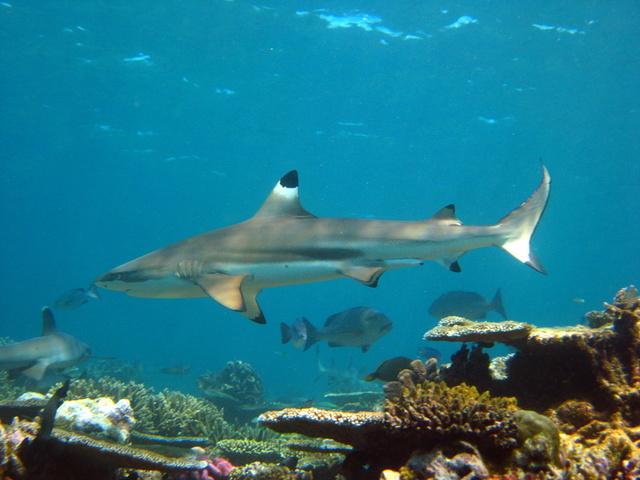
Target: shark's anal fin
{"x":229,"y":291}
{"x":48,"y":322}
{"x":451,"y":264}
{"x":368,"y":276}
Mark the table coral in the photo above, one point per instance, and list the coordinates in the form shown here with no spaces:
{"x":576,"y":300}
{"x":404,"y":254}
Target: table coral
{"x":555,"y":364}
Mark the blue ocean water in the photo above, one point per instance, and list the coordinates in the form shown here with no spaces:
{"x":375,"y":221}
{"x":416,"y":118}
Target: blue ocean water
{"x":126,"y":126}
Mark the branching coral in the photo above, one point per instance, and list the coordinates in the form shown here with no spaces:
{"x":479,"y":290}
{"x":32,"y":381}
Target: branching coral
{"x":243,"y":451}
{"x":418,"y":414}
{"x":432,"y":412}
{"x":166,"y":413}
{"x":237,"y":380}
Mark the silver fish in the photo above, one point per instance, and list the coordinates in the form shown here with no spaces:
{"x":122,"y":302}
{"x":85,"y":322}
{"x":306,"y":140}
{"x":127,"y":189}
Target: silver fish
{"x":355,"y":327}
{"x":284,"y":244}
{"x":54,"y":350}
{"x":469,"y":305}
{"x":76,"y":297}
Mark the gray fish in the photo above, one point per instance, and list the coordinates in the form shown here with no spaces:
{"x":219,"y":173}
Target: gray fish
{"x":54,"y":350}
{"x":76,"y":297}
{"x":388,"y":370}
{"x":469,"y":305}
{"x":355,"y":327}
{"x":284,"y":244}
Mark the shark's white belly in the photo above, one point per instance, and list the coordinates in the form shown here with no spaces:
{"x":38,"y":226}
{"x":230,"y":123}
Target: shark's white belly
{"x":286,"y":273}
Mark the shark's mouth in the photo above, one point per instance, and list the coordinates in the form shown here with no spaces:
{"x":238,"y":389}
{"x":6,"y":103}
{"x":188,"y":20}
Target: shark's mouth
{"x":131,"y":276}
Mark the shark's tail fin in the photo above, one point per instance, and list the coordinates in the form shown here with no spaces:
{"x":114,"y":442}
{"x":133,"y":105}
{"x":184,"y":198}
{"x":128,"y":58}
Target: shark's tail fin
{"x":518,"y":226}
{"x":496,"y":304}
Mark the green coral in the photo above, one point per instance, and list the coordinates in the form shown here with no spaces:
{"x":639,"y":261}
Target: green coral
{"x":539,"y":441}
{"x":167,"y":413}
{"x":243,"y":451}
{"x":8,"y":391}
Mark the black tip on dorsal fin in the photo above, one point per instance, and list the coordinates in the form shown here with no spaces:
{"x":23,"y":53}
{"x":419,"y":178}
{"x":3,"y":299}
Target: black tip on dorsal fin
{"x":48,"y":322}
{"x":290,"y":180}
{"x":260,"y":319}
{"x":455,"y":267}
{"x":446,"y":213}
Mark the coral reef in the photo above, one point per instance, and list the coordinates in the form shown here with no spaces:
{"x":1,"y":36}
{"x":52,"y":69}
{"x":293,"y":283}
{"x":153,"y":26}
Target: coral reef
{"x":167,"y":413}
{"x":262,"y":471}
{"x":459,"y":460}
{"x":243,"y":451}
{"x":101,"y":417}
{"x":24,"y":453}
{"x":459,"y":329}
{"x":237,"y":380}
{"x":8,"y":389}
{"x":237,"y":388}
{"x":551,"y":365}
{"x":418,"y":415}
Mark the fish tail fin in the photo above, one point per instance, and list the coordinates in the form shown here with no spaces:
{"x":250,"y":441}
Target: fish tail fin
{"x":310,"y":334}
{"x":285,"y":333}
{"x":519,"y":225}
{"x":93,"y":292}
{"x":496,"y":304}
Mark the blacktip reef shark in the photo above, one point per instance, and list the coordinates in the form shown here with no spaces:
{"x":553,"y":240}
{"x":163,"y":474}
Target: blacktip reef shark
{"x":54,"y":350}
{"x":284,"y":244}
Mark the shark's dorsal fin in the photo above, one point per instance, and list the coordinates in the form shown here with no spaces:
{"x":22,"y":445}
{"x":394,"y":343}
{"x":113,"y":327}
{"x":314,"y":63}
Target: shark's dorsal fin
{"x":447,"y":213}
{"x":284,"y":200}
{"x":48,"y":322}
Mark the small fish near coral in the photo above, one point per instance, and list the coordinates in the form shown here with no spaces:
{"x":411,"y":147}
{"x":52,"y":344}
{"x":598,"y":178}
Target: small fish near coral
{"x":469,"y":305}
{"x":388,"y":370}
{"x":355,"y":327}
{"x":284,"y":244}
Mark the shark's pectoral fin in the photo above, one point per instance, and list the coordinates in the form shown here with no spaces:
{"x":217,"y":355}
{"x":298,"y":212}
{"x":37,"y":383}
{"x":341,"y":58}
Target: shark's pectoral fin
{"x":224,"y":289}
{"x":36,"y":371}
{"x":369,"y":276}
{"x":228,"y":290}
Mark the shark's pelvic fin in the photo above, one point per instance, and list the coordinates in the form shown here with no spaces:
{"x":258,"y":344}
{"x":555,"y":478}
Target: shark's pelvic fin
{"x":520,"y":224}
{"x":48,"y":322}
{"x":368,"y":276}
{"x":37,"y":370}
{"x":284,"y":199}
{"x":229,"y":291}
{"x":447,"y":213}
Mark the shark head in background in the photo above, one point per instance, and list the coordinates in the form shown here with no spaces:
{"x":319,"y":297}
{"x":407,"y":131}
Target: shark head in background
{"x":284,"y":244}
{"x":53,"y":350}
